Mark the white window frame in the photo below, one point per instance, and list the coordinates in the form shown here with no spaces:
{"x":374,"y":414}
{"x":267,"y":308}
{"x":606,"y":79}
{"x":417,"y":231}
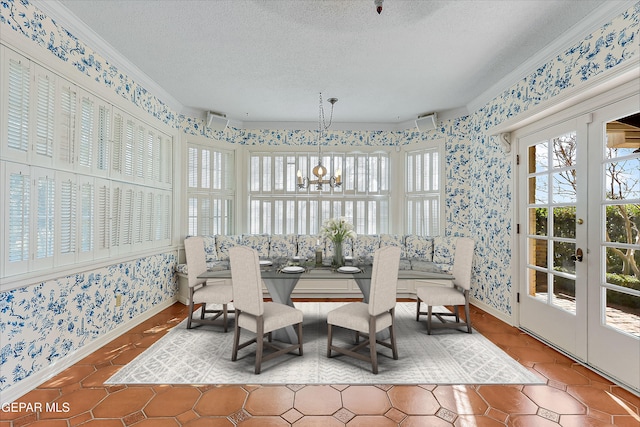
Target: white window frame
{"x":424,"y":191}
{"x":65,"y":138}
{"x":211,"y":190}
{"x":278,"y":206}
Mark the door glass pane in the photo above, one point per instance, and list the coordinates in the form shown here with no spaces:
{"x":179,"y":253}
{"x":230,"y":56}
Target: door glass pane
{"x":562,"y":253}
{"x":564,"y":293}
{"x":564,"y":186}
{"x":538,"y":157}
{"x":538,"y":252}
{"x":622,"y":178}
{"x":622,"y":223}
{"x":564,"y":222}
{"x":623,"y":312}
{"x":538,"y":218}
{"x":538,"y":283}
{"x":564,"y":150}
{"x":538,"y":189}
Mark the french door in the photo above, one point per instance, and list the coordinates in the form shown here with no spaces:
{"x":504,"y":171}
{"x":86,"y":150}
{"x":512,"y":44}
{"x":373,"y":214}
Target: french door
{"x":579,"y":218}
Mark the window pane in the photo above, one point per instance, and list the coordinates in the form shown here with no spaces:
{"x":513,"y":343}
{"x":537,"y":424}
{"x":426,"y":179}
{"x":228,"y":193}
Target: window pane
{"x":205,"y":169}
{"x":45,"y":229}
{"x":623,"y":312}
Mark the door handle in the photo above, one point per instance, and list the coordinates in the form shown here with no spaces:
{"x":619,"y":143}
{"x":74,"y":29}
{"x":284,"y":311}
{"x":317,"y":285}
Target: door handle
{"x":578,"y":255}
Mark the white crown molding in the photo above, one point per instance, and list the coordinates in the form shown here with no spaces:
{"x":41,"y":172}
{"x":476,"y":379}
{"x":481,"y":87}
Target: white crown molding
{"x":63,"y":16}
{"x":602,"y":15}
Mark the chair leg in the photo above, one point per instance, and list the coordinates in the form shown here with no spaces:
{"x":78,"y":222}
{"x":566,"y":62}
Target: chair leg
{"x":190,"y":310}
{"x":392,"y":337}
{"x":329,"y":339}
{"x":372,"y":345}
{"x":429,"y":314}
{"x":418,"y":310}
{"x":202,"y":310}
{"x":300,"y":338}
{"x":259,"y":343}
{"x":467,"y":317}
{"x":236,"y":338}
{"x":224,"y":316}
{"x":457,"y":313}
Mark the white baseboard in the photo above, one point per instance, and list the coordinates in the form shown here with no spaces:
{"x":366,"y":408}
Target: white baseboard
{"x":508,"y":319}
{"x":31,"y":382}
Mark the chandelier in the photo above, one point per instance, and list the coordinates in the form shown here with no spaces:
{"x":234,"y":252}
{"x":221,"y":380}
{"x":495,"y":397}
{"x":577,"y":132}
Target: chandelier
{"x":319,"y":172}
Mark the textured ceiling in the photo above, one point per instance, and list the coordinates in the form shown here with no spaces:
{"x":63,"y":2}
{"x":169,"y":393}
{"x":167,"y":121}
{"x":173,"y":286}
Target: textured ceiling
{"x":266,"y":61}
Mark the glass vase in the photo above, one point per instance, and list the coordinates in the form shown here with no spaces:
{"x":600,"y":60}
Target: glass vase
{"x":338,"y":259}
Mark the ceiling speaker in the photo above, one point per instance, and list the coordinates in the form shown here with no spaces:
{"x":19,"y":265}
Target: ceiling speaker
{"x":217,"y":121}
{"x":426,"y":122}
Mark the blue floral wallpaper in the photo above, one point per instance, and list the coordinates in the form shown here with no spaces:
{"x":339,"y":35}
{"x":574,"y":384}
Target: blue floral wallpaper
{"x":46,"y":321}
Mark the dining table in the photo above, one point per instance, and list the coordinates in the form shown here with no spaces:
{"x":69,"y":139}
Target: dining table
{"x":281,"y":276}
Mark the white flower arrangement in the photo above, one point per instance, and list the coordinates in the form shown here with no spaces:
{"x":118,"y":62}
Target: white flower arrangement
{"x":337,"y":229}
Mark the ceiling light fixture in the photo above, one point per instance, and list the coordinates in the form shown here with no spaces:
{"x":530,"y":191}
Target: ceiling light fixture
{"x":378,"y":4}
{"x":320,"y":171}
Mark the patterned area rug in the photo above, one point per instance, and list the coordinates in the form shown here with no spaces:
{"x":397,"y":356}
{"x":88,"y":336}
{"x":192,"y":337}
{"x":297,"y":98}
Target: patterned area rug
{"x":203,"y":356}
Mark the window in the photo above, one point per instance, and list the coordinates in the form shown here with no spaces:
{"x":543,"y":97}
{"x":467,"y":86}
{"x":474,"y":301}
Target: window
{"x":78,"y":188}
{"x":278,"y":206}
{"x":210,"y":190}
{"x":423,"y":192}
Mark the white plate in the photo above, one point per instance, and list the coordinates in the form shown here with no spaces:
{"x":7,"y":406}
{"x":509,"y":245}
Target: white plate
{"x":348,"y":269}
{"x":265,"y":262}
{"x":293,"y":269}
{"x":348,"y":258}
{"x":299,"y":258}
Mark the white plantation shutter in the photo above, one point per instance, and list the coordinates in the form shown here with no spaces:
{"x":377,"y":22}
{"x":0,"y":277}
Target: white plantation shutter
{"x":66,"y":124}
{"x":87,"y":128}
{"x":17,"y":85}
{"x":138,"y":218}
{"x":149,"y":160}
{"x":116,"y":218}
{"x":45,"y":217}
{"x":156,"y":158}
{"x":192,"y":167}
{"x":151,"y":216}
{"x":210,"y":190}
{"x":205,"y":216}
{"x":159,"y":223}
{"x":87,"y":217}
{"x":17,"y":186}
{"x":102,"y":139}
{"x":278,"y":206}
{"x":67,"y":213}
{"x":45,"y":116}
{"x":166,"y":217}
{"x":127,"y":216}
{"x":140,"y":155}
{"x":166,"y":161}
{"x":423,"y":204}
{"x":103,"y":218}
{"x":80,"y":179}
{"x":118,"y":143}
{"x":129,"y":148}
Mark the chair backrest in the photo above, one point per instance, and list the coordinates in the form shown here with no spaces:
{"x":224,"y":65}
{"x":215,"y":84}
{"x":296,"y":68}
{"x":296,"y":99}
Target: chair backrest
{"x":246,"y":280}
{"x":462,"y":262}
{"x":384,"y":280}
{"x":196,"y":261}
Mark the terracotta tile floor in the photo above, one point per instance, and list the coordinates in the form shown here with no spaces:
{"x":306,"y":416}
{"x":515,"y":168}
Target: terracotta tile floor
{"x":572,"y":396}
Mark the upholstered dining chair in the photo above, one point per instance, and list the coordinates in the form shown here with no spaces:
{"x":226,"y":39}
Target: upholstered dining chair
{"x":255,"y":315}
{"x":456,"y":295}
{"x":202,"y":291}
{"x":366,"y":319}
